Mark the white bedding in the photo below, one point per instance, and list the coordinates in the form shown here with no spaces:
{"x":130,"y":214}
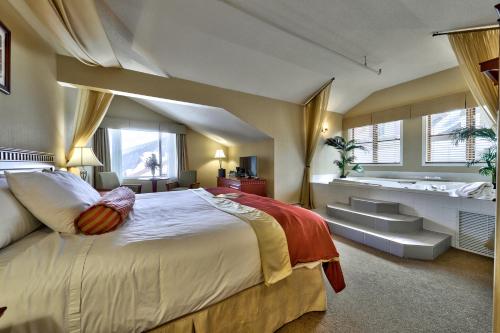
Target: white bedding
{"x":176,"y":254}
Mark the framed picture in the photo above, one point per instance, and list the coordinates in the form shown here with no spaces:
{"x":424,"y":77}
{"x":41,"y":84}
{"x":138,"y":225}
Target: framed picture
{"x":4,"y":59}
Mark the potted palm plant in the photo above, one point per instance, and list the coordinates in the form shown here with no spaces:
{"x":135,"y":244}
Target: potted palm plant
{"x":488,"y":156}
{"x":346,"y":151}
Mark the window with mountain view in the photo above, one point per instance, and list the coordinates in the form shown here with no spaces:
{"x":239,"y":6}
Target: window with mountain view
{"x":131,"y":148}
{"x":439,"y":145}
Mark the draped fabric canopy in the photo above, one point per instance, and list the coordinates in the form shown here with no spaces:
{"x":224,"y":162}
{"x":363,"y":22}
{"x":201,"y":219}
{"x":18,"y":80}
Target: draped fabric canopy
{"x":91,"y":109}
{"x":472,"y":48}
{"x":77,"y":27}
{"x":88,"y":30}
{"x":314,"y":116}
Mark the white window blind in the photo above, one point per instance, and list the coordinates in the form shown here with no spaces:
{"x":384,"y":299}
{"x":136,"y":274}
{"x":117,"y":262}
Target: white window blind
{"x":440,"y":147}
{"x":382,"y":143}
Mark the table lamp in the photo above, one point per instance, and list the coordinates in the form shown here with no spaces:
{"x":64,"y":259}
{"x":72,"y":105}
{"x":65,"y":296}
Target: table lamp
{"x":219,"y":153}
{"x":82,"y":157}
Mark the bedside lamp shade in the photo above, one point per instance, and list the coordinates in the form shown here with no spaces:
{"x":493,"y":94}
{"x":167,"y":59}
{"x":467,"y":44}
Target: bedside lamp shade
{"x":219,"y":153}
{"x":83,"y":156}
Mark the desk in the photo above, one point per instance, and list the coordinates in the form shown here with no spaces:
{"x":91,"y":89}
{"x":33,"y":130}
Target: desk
{"x":154,"y":182}
{"x":248,"y":185}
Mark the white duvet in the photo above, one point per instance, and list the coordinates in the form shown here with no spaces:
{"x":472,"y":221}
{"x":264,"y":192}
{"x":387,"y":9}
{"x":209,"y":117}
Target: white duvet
{"x":176,"y":254}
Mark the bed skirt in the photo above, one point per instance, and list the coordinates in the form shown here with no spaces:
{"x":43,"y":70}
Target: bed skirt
{"x":259,"y":308}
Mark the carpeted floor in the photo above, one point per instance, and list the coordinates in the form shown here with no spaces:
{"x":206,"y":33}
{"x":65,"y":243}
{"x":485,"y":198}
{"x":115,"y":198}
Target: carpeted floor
{"x":388,"y":294}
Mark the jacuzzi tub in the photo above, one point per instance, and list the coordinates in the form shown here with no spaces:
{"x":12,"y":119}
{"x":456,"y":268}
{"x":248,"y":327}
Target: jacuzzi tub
{"x":429,"y":186}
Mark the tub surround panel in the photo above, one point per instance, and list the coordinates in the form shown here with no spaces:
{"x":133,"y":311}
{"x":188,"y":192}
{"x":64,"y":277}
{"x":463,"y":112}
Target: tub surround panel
{"x":439,"y":212}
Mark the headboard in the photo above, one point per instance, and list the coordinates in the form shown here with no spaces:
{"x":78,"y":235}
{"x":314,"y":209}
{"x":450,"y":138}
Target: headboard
{"x":12,"y":159}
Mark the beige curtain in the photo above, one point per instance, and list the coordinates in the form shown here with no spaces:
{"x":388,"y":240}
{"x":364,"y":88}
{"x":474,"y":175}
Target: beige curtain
{"x":102,"y":151}
{"x":91,"y":109}
{"x":314,"y":116}
{"x":182,"y":158}
{"x":472,"y":48}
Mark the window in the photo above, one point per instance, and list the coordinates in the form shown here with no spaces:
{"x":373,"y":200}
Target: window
{"x":439,"y":146}
{"x":131,"y":148}
{"x":382,"y":143}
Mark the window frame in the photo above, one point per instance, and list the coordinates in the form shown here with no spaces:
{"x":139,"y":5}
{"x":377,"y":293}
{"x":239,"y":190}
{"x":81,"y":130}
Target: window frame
{"x":469,"y":145}
{"x":160,"y":158}
{"x":376,"y":164}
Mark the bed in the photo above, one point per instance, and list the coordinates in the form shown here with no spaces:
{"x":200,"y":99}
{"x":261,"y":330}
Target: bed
{"x":190,"y":261}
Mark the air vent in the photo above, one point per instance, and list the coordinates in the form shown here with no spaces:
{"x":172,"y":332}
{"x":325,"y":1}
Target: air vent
{"x":474,"y":230}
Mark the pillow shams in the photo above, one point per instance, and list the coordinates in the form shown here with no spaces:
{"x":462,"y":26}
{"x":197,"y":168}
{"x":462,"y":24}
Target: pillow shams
{"x":55,"y":198}
{"x":15,"y":221}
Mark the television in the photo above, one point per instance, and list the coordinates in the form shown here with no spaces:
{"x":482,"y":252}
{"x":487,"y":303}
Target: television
{"x":249,"y":164}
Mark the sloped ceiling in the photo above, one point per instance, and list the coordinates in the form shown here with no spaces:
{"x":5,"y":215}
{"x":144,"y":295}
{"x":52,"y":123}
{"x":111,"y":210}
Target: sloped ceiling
{"x":282,"y":48}
{"x":215,"y":123}
{"x":287,"y":49}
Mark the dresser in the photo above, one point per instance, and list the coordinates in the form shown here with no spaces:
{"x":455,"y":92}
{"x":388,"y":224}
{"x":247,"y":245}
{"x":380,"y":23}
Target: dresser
{"x":247,"y":185}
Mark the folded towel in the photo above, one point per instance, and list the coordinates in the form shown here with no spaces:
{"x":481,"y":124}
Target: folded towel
{"x":475,"y":190}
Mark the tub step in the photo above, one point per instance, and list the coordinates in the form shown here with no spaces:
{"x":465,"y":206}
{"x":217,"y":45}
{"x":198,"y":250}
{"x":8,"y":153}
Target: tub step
{"x":423,"y":244}
{"x":374,"y":205}
{"x":386,"y":222}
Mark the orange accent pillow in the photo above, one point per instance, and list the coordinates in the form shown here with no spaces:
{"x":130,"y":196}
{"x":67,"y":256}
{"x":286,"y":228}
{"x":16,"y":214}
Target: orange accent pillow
{"x":108,"y":213}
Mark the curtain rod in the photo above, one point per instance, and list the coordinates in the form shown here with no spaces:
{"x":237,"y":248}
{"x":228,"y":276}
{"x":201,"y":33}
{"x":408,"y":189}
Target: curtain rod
{"x":468,"y":29}
{"x":318,"y":91}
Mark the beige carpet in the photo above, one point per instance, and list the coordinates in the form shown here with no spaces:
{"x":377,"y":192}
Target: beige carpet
{"x":388,"y":294}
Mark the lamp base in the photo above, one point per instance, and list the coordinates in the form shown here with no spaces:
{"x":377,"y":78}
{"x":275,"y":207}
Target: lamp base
{"x":222,"y":173}
{"x":83,"y":174}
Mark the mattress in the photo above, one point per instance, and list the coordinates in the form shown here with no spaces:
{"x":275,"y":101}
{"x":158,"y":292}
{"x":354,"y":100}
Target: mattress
{"x":175,"y":255}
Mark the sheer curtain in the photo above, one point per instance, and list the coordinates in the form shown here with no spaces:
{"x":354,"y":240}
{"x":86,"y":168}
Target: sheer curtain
{"x":91,"y":109}
{"x":314,"y":115}
{"x":472,"y":48}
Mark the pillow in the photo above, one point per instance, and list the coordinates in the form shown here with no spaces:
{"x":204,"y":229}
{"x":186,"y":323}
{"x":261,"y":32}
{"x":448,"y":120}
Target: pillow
{"x":16,"y":221}
{"x":55,"y":198}
{"x":108,"y":213}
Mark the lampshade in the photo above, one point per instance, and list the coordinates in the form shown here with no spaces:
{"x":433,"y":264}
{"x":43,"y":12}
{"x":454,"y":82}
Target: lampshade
{"x":83,"y":156}
{"x":219,"y":153}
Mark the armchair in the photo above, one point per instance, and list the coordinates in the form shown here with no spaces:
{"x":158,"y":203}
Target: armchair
{"x":186,"y":180}
{"x":107,"y":181}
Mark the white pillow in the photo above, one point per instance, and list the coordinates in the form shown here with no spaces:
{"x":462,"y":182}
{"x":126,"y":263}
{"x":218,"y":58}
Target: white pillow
{"x":15,"y":221}
{"x":55,"y":198}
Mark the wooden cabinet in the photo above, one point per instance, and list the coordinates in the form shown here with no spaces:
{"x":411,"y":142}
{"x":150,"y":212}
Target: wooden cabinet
{"x":247,"y":185}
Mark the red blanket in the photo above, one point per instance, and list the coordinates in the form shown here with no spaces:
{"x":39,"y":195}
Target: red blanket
{"x":306,"y":232}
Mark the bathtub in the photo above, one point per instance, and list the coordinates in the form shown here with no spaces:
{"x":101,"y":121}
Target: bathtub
{"x":432,"y":199}
{"x":433,"y":186}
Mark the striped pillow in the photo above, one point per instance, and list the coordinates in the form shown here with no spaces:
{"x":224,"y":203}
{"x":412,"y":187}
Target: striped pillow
{"x":108,"y":213}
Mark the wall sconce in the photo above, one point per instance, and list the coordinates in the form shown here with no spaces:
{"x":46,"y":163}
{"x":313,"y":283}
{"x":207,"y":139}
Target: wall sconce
{"x":324,"y":128}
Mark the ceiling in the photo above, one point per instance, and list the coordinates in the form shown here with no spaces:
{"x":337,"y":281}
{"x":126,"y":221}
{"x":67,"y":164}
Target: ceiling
{"x":215,"y":123}
{"x":287,"y":49}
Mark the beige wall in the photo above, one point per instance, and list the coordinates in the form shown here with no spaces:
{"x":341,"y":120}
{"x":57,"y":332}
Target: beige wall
{"x":427,"y":88}
{"x":431,"y":86}
{"x":123,"y":107}
{"x":324,"y":156}
{"x":413,"y":153}
{"x":201,"y":151}
{"x":264,"y":150}
{"x":32,"y":117}
{"x":282,"y":121}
